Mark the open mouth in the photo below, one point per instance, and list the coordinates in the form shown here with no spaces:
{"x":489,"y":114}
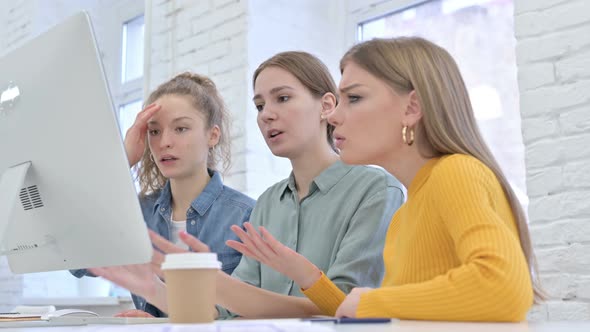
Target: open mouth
{"x":166,"y":159}
{"x":274,"y":133}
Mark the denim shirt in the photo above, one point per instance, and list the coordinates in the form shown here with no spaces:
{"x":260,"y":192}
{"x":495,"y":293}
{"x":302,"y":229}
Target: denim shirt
{"x":209,"y":219}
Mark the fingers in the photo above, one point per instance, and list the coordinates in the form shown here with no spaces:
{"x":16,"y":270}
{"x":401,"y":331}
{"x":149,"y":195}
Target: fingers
{"x":262,"y":246}
{"x":193,"y":242}
{"x":248,"y":243}
{"x":111,"y":274}
{"x":273,"y":243}
{"x":157,"y":257}
{"x":134,"y":313}
{"x":156,"y":264}
{"x":241,"y":248}
{"x":142,"y":118}
{"x":163,"y":244}
{"x":339,"y":312}
{"x":96,"y":271}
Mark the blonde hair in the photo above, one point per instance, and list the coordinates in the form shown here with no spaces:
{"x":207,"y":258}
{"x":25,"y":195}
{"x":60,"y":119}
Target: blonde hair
{"x":205,"y":98}
{"x":309,"y":70}
{"x":448,"y":124}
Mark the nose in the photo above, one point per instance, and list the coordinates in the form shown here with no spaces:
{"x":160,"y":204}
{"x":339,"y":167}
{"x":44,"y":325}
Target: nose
{"x":166,"y":139}
{"x":335,"y":117}
{"x":267,"y":114}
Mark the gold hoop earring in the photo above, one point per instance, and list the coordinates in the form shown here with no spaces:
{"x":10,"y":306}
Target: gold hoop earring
{"x":409,"y":141}
{"x":152,"y":158}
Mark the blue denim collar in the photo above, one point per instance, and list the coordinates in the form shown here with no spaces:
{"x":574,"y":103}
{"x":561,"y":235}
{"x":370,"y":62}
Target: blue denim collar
{"x":201,"y":204}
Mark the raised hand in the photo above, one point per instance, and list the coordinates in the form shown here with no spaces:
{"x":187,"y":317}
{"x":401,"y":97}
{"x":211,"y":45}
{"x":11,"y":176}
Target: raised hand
{"x":267,"y":250}
{"x":135,"y":136}
{"x":168,"y":247}
{"x":139,"y":279}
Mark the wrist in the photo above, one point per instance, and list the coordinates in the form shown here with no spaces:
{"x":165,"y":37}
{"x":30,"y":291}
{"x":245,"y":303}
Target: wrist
{"x":311,"y":275}
{"x":158,"y":296}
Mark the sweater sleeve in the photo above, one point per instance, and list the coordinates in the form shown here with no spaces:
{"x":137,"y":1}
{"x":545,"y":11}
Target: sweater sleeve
{"x":492,"y":282}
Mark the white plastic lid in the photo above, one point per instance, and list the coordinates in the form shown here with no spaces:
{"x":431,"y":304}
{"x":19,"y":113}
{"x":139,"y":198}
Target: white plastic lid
{"x":191,"y":260}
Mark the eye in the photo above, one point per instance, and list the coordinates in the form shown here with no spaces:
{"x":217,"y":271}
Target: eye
{"x":181,"y":129}
{"x":259,"y":107}
{"x":153,"y":132}
{"x":353,"y":98}
{"x":283,"y":99}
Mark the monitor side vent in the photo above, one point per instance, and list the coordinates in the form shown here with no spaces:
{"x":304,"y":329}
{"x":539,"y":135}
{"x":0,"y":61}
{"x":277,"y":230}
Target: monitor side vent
{"x":30,"y":198}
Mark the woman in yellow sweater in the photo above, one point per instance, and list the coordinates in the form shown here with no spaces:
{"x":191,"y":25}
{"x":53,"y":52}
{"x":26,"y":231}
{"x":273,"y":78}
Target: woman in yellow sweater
{"x":459,"y":248}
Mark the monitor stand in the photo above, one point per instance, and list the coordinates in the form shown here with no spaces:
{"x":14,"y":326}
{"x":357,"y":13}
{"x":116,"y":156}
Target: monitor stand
{"x":11,"y":182}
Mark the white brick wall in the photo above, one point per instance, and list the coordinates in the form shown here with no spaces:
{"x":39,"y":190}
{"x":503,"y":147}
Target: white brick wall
{"x":554,"y":79}
{"x":210,"y":38}
{"x":282,"y":25}
{"x":227,"y":40}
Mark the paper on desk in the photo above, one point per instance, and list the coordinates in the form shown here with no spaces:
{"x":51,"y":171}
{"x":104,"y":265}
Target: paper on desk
{"x":26,"y":313}
{"x":220,"y":326}
{"x":34,"y":310}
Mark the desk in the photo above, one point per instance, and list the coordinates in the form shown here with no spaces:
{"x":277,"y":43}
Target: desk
{"x":104,"y":306}
{"x":289,"y":325}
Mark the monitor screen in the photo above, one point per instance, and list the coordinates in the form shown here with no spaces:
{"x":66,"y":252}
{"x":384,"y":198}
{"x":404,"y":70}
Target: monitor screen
{"x":67,"y":198}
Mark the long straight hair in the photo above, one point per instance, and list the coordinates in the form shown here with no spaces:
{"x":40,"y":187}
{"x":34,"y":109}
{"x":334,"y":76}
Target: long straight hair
{"x":448,"y":124}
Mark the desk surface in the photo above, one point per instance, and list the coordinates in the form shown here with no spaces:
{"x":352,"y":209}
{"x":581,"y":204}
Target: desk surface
{"x":289,"y":325}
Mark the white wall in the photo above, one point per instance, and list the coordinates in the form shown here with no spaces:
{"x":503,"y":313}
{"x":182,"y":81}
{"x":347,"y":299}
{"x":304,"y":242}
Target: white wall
{"x":553,"y":54}
{"x":283,"y":25}
{"x":209,"y":38}
{"x":227,"y":40}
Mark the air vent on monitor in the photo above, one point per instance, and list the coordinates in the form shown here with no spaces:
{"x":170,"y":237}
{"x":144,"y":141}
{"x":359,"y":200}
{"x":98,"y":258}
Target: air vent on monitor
{"x":30,"y":198}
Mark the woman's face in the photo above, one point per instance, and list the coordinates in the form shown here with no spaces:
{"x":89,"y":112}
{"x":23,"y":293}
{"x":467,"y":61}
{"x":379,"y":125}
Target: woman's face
{"x":178,"y":137}
{"x":368,"y":118}
{"x":288,"y":114}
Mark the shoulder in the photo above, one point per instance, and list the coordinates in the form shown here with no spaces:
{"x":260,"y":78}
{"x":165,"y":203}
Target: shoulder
{"x":372,"y":177}
{"x":148,"y":201}
{"x":461,"y":166}
{"x":236,"y":198}
{"x":463,"y":176}
{"x":275,"y":190}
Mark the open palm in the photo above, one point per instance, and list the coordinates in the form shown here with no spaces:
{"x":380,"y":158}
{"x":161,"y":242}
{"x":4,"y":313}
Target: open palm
{"x":267,"y":250}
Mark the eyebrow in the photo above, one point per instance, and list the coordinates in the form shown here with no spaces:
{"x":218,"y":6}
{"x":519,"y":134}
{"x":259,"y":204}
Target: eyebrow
{"x":350,"y":87}
{"x":153,"y":122}
{"x":274,"y":90}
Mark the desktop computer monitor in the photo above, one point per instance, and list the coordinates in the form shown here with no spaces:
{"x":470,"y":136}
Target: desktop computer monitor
{"x":67,"y":197}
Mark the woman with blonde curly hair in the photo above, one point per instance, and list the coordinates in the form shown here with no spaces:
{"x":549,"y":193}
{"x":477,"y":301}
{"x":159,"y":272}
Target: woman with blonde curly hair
{"x":176,"y":145}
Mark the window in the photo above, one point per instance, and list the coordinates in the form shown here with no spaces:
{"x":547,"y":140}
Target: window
{"x":132,"y":57}
{"x":130,"y":93}
{"x":127,"y":114}
{"x":479,"y":35}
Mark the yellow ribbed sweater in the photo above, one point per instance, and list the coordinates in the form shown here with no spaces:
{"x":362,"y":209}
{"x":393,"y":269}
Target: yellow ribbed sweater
{"x":452,"y":252}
